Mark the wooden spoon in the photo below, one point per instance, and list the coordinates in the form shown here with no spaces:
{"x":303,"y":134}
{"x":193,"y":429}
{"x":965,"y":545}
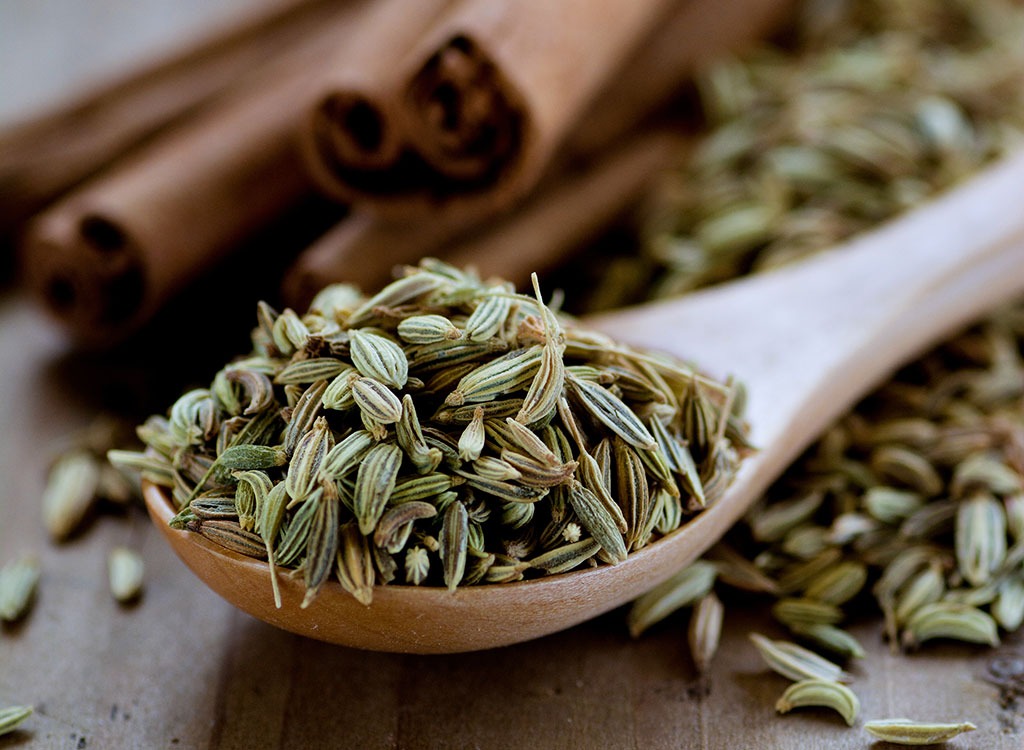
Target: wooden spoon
{"x":807,"y":340}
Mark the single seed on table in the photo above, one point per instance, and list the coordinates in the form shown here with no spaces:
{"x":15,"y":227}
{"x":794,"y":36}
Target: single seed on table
{"x":125,"y":569}
{"x":806,"y":541}
{"x":973,"y":597}
{"x":909,"y":732}
{"x":12,"y":716}
{"x":736,"y":571}
{"x":820,"y":693}
{"x":903,"y":567}
{"x":70,"y":493}
{"x":849,"y":527}
{"x":705,"y":630}
{"x":1014,"y":506}
{"x":796,"y":662}
{"x":796,"y":612}
{"x":931,"y":520}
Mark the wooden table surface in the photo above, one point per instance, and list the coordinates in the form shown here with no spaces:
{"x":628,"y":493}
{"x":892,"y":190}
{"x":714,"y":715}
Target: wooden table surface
{"x":183,"y":669}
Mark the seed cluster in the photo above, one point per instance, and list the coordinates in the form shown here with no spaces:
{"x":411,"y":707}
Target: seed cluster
{"x":868,"y":108}
{"x":444,"y":431}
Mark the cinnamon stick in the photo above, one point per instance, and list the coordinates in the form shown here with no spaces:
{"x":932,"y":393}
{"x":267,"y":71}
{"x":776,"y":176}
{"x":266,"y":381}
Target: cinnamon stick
{"x":47,"y":155}
{"x":496,"y":93}
{"x":109,"y":254}
{"x":362,"y":250}
{"x":556,"y":220}
{"x":487,"y":96}
{"x":353,"y":123}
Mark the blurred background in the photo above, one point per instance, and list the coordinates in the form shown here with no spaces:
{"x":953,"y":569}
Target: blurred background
{"x":51,"y":49}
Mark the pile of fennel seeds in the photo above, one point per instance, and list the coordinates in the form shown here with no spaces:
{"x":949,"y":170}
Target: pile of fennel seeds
{"x":867,"y":110}
{"x":445,"y":431}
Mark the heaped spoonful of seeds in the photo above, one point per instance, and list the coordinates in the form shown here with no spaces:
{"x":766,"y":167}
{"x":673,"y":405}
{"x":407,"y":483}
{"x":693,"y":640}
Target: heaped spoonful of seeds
{"x":445,"y":431}
{"x":806,"y":340}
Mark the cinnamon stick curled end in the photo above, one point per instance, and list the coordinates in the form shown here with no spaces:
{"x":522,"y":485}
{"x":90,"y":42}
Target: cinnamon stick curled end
{"x":352,"y":129}
{"x":466,"y":120}
{"x":87,"y":272}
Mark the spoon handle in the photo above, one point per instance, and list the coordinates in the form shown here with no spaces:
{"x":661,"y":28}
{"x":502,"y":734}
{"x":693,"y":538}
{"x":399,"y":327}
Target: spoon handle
{"x":811,"y":338}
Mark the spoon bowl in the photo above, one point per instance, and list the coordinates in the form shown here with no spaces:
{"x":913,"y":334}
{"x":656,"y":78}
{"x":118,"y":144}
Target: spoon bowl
{"x":807,"y":341}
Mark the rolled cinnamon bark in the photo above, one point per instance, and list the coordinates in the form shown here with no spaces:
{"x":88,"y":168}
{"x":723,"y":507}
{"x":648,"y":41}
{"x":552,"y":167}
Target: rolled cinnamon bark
{"x":109,"y":254}
{"x":488,"y":94}
{"x":556,"y":220}
{"x":353,"y":126}
{"x":496,"y":92}
{"x":47,"y":155}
